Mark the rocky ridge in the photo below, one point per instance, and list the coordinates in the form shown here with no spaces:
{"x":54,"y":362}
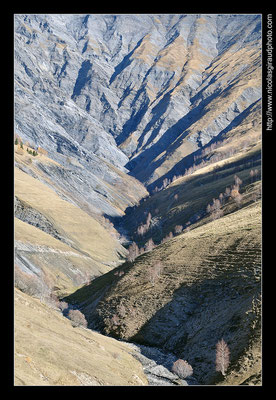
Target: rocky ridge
{"x":140,"y":92}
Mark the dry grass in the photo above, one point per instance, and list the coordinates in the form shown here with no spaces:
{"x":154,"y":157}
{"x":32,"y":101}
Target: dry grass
{"x":222,"y":255}
{"x":194,"y":192}
{"x":87,"y":234}
{"x":49,"y":351}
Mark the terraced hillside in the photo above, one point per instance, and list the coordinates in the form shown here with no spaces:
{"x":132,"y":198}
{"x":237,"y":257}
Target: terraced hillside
{"x":207,"y":286}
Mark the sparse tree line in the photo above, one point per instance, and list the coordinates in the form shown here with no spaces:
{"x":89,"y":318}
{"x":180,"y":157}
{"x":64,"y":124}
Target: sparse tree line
{"x":33,"y":152}
{"x":215,"y":157}
{"x":214,"y":209}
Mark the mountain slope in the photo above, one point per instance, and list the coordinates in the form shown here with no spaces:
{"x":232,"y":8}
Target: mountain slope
{"x":138,"y":130}
{"x":42,"y":338}
{"x":209,"y":287}
{"x":138,"y":91}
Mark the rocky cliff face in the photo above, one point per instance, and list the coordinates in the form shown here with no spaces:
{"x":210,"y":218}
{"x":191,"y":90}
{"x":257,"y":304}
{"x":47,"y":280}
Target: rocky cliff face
{"x":135,"y":91}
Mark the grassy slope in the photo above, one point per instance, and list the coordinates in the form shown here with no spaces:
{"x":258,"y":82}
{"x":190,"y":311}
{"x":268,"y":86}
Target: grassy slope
{"x":85,"y":232}
{"x":194,"y":193}
{"x":224,"y":254}
{"x":49,"y":351}
{"x":214,"y":269}
{"x":63,"y":268}
{"x":92,"y":250}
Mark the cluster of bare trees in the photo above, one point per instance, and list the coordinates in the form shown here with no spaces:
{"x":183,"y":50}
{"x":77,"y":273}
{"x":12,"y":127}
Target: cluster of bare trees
{"x":253,"y":175}
{"x":143,"y":228}
{"x":134,"y":251}
{"x":215,"y":208}
{"x":166,"y":182}
{"x":77,"y":318}
{"x":235,"y":190}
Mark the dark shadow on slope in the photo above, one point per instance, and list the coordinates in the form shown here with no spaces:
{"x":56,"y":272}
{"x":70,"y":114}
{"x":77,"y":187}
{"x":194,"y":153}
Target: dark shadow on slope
{"x":167,"y":329}
{"x":136,"y":116}
{"x":175,"y":327}
{"x":124,"y":63}
{"x":188,"y":161}
{"x":157,"y":113}
{"x":168,"y":137}
{"x":206,"y":186}
{"x":82,"y":79}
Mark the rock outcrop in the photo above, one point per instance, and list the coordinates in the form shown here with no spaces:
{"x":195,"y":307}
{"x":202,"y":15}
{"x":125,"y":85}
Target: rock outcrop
{"x":137,"y":91}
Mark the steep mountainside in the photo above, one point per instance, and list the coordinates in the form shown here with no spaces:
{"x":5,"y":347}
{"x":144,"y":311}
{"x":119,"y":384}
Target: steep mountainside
{"x":135,"y":91}
{"x":137,"y":184}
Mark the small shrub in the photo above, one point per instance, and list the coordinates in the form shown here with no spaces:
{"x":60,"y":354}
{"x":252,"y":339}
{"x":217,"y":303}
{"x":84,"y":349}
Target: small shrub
{"x":77,"y":318}
{"x":178,"y":228}
{"x":62,"y":305}
{"x":182,"y":369}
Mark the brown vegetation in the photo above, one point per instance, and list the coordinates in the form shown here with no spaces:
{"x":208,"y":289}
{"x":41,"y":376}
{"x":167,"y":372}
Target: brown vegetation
{"x":77,"y":318}
{"x":182,"y":369}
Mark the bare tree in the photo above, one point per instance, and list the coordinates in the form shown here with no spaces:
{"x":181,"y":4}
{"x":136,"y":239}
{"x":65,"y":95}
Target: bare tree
{"x":133,"y":252}
{"x":165,"y":182}
{"x":252,"y":173}
{"x":148,"y":220}
{"x":227,"y":192}
{"x":238,"y":181}
{"x":182,"y":368}
{"x":149,"y":245}
{"x":222,"y":356}
{"x":62,"y":305}
{"x":214,"y":209}
{"x":154,"y":272}
{"x":152,"y":275}
{"x":178,"y":228}
{"x":141,"y":230}
{"x":236,"y":195}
